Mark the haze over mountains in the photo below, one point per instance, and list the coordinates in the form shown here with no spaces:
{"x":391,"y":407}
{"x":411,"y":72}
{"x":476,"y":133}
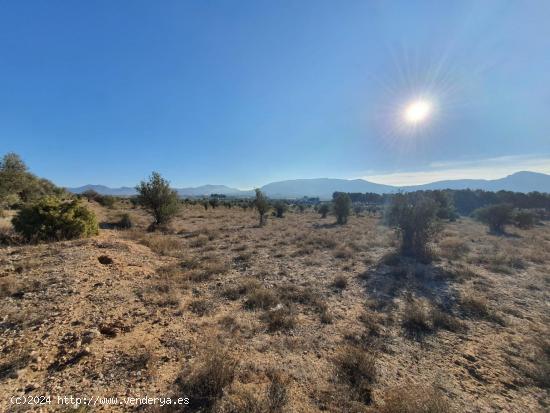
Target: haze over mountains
{"x":324,"y":187}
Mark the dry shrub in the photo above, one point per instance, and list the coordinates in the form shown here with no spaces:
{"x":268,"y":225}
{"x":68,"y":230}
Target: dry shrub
{"x":340,"y":282}
{"x":208,"y":267}
{"x":445,"y":321}
{"x":8,"y":236}
{"x":416,"y":318}
{"x":474,"y":304}
{"x":163,"y":244}
{"x":357,"y":369}
{"x":453,"y":248}
{"x":277,"y":392}
{"x":204,"y":382}
{"x":200,"y":307}
{"x":343,"y":252}
{"x":199,"y":241}
{"x":14,"y":361}
{"x":260,"y":298}
{"x":10,"y":286}
{"x":249,"y":399}
{"x":241,"y":399}
{"x":280,"y":318}
{"x":540,"y":370}
{"x":247,"y":285}
{"x":415,"y":399}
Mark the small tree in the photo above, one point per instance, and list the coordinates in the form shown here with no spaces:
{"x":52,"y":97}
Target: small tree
{"x":414,"y":216}
{"x":324,"y":209}
{"x":262,"y":205}
{"x":156,"y":197}
{"x":342,"y":207}
{"x":495,"y":216}
{"x":280,"y":208}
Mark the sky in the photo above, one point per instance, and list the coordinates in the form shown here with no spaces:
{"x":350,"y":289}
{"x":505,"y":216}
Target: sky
{"x":244,"y":93}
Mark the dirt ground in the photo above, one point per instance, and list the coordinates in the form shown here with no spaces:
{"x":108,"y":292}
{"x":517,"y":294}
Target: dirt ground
{"x":279,"y":317}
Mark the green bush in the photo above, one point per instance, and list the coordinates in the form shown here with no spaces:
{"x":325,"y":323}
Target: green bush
{"x":158,"y":198}
{"x":495,"y":216}
{"x":280,"y":208}
{"x":18,"y":186}
{"x":107,"y":201}
{"x":51,"y":218}
{"x":125,"y":222}
{"x":214,"y":202}
{"x":525,"y":219}
{"x":342,"y":207}
{"x":324,"y":209}
{"x":414,"y":216}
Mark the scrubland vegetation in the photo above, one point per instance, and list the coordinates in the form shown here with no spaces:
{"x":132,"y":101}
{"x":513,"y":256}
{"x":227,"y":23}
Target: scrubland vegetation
{"x":406,"y":305}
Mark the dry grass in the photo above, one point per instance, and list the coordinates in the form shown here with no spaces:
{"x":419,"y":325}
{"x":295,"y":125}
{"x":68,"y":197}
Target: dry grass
{"x":357,"y":369}
{"x":411,"y":398}
{"x":204,"y":382}
{"x":453,"y":248}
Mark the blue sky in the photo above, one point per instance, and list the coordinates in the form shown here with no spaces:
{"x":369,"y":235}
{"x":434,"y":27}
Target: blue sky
{"x":247,"y":92}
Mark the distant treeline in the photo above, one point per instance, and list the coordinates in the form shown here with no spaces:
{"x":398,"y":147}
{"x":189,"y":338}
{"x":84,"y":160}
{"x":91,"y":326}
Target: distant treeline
{"x":466,"y":201}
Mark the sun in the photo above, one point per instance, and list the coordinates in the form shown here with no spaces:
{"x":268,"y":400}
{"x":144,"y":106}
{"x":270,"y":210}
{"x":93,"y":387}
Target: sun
{"x":417,"y":111}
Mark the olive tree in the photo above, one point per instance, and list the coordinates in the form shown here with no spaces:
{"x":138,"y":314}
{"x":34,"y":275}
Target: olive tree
{"x":262,"y":205}
{"x":156,"y":197}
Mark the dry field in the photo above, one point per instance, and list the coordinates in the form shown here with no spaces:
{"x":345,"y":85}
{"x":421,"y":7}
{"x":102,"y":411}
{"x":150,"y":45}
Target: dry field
{"x":297,"y":316}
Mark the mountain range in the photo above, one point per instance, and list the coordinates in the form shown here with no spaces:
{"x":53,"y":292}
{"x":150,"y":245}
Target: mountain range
{"x":323,"y":188}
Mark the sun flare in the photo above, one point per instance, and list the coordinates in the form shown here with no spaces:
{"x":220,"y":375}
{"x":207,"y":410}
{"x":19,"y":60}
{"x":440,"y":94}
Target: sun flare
{"x":417,"y":111}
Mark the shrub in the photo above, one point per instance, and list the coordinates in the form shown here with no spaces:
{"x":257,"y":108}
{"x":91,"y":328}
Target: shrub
{"x":342,"y":207}
{"x":210,"y":375}
{"x":280,"y":208}
{"x":280,"y":318}
{"x":51,"y":218}
{"x":214,"y":202}
{"x":107,"y":201}
{"x":125,"y":222}
{"x":90,"y":195}
{"x":357,"y":369}
{"x":324,"y":209}
{"x":414,"y":217}
{"x":262,"y":205}
{"x":157,"y":198}
{"x":340,"y":282}
{"x":525,"y":219}
{"x":260,"y":298}
{"x":18,"y":186}
{"x":495,"y":216}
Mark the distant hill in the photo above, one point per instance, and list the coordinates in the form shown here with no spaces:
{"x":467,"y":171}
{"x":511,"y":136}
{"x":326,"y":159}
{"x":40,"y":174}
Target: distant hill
{"x":212,"y":189}
{"x":104,"y":190}
{"x":523,"y":181}
{"x":324,"y":187}
{"x":321,"y":187}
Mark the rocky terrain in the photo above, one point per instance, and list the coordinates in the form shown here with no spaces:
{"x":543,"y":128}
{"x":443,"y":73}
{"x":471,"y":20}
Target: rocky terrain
{"x":300,"y":315}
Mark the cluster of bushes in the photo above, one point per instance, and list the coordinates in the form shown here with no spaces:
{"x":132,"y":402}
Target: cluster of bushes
{"x":498,"y":216}
{"x":18,"y":186}
{"x":46,"y":212}
{"x":104,"y":200}
{"x":466,"y":201}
